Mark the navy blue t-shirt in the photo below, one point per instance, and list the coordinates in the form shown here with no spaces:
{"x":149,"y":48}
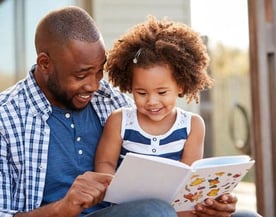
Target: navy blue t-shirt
{"x":73,"y":141}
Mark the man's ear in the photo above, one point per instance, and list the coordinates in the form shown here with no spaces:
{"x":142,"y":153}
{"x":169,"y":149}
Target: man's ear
{"x":43,"y":61}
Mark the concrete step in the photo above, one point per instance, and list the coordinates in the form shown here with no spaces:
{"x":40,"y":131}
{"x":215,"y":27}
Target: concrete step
{"x":246,"y":193}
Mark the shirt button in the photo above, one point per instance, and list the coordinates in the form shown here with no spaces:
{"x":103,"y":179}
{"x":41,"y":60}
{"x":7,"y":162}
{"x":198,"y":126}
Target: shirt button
{"x":154,"y":139}
{"x":153,"y":150}
{"x":78,"y":139}
{"x":72,"y":125}
{"x":80,"y":152}
{"x":67,"y":115}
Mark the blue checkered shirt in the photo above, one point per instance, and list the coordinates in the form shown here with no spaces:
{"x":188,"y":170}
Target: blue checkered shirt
{"x":24,"y":140}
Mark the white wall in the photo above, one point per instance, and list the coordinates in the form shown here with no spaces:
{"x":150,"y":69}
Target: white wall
{"x":114,"y":17}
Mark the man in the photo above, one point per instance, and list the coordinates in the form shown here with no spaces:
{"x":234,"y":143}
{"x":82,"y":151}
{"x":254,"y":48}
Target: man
{"x":50,"y":123}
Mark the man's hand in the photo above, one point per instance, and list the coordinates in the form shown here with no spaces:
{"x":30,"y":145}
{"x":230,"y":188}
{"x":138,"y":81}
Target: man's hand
{"x":87,"y":190}
{"x":223,"y":206}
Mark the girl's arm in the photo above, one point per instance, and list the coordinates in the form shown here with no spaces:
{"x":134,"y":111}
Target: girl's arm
{"x":194,"y":146}
{"x":109,"y":147}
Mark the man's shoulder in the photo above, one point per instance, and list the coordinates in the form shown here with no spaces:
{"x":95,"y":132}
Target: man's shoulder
{"x":12,"y":103}
{"x":107,"y":99}
{"x":107,"y":90}
{"x":11,"y":95}
{"x":113,"y":95}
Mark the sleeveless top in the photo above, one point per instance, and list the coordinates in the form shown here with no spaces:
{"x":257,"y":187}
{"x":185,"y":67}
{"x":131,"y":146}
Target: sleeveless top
{"x":169,"y":145}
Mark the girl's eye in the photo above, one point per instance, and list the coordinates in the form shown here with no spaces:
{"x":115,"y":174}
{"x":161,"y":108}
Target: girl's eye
{"x":162,"y":92}
{"x":141,"y":93}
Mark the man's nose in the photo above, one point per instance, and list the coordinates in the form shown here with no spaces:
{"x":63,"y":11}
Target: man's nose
{"x":92,"y":83}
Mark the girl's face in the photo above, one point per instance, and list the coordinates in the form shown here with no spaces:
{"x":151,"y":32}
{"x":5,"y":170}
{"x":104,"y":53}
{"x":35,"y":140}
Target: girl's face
{"x":155,"y":92}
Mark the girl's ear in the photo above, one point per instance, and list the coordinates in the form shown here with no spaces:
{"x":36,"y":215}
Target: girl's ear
{"x":43,"y":61}
{"x":180,"y":91}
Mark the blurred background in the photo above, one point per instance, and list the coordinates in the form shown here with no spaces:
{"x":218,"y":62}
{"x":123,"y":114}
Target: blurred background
{"x":223,"y":25}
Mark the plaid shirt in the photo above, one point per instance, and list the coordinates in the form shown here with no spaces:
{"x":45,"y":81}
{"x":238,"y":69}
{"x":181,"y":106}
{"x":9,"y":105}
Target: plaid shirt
{"x":24,"y":140}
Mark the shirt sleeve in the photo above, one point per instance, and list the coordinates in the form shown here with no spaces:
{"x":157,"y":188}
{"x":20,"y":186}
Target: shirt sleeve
{"x":5,"y":180}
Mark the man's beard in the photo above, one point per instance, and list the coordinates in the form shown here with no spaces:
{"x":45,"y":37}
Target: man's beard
{"x":59,"y":95}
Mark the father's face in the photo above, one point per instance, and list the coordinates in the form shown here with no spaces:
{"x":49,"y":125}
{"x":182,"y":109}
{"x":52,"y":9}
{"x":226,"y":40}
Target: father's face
{"x":75,"y":74}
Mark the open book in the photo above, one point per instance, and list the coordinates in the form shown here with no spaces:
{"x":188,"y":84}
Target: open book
{"x":143,"y":176}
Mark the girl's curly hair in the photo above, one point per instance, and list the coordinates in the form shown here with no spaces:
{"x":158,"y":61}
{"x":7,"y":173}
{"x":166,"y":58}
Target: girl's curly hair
{"x":156,"y":42}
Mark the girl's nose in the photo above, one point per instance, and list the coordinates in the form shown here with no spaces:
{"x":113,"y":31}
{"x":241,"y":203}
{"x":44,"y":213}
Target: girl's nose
{"x":152,"y":100}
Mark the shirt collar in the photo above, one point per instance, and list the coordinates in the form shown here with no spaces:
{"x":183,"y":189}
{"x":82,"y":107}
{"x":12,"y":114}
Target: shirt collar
{"x":38,"y":101}
{"x":104,"y":89}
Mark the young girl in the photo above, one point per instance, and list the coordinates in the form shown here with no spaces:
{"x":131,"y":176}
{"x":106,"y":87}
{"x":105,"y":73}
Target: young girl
{"x":157,"y":61}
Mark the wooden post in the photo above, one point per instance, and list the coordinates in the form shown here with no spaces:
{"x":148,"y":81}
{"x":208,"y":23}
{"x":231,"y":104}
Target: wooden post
{"x":206,"y":111}
{"x":262,"y":37}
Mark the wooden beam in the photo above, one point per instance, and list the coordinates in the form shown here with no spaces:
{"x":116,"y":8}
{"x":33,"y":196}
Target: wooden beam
{"x":262,"y":74}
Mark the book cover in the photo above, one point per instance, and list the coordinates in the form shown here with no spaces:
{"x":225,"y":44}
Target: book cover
{"x":143,"y":176}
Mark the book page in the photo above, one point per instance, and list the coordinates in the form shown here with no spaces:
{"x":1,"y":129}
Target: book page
{"x":221,"y":160}
{"x":141,"y":177}
{"x":161,"y":160}
{"x":209,"y":183}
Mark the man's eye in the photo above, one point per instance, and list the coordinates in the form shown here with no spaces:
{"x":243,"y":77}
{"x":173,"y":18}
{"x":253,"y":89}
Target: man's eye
{"x":80,"y":76}
{"x":99,"y":75}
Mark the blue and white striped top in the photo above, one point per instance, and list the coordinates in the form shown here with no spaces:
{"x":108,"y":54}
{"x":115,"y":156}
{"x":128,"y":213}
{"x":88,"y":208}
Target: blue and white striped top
{"x":169,"y":145}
